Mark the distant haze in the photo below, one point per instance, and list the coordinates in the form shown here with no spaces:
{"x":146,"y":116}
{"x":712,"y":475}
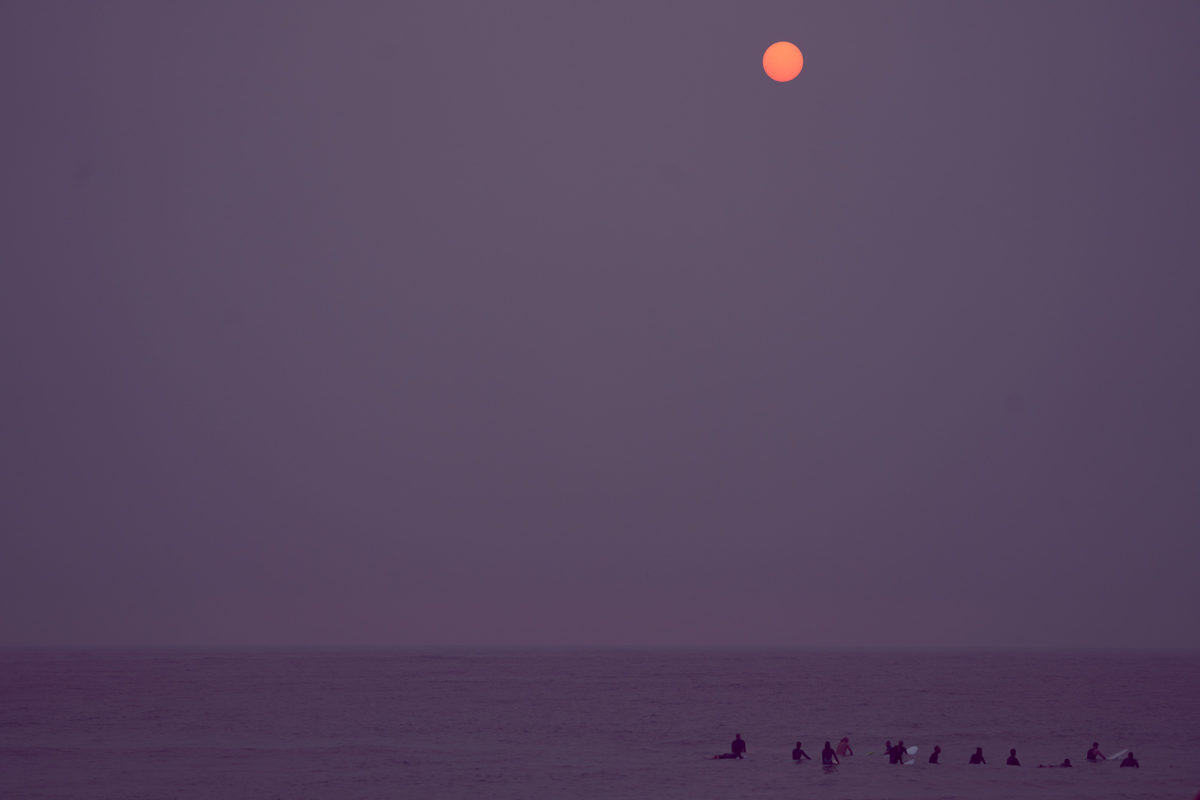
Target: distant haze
{"x":557,"y":323}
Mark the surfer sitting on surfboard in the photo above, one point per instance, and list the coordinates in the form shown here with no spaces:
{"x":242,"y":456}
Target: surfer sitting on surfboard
{"x":828,"y":757}
{"x":1094,"y":754}
{"x":977,"y":757}
{"x":1130,"y":761}
{"x":737,"y":746}
{"x":937,"y":751}
{"x":798,"y":754}
{"x":843,"y":748}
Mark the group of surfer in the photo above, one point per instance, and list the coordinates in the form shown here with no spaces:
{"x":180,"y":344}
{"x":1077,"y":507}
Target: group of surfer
{"x":897,"y":752}
{"x":829,"y":756}
{"x":1093,"y":755}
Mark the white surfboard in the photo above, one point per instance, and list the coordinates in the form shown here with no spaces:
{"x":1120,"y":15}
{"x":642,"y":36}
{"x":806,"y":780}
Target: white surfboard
{"x":1119,"y":755}
{"x":912,"y":751}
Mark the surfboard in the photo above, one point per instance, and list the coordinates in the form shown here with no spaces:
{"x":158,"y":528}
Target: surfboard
{"x":1119,"y":755}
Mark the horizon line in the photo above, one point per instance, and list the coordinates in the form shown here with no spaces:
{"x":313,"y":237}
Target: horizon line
{"x":562,"y":646}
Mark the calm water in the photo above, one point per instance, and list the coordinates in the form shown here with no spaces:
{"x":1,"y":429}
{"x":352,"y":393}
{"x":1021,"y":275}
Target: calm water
{"x":587,"y":723}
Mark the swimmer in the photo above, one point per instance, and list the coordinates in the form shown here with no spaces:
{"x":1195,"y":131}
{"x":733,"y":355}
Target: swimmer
{"x":1130,"y":761}
{"x":1012,"y":758}
{"x":937,"y":751}
{"x":898,"y":753}
{"x":843,"y":748}
{"x":828,"y":756}
{"x":798,"y":754}
{"x":977,"y":757}
{"x":1094,"y":754}
{"x":1066,"y":763}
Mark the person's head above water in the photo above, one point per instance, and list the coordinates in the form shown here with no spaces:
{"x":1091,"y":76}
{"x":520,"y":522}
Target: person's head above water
{"x":827,"y":744}
{"x":1095,"y":744}
{"x":1012,"y":751}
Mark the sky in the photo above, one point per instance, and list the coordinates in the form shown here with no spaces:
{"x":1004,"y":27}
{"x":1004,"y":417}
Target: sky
{"x":545,"y":323}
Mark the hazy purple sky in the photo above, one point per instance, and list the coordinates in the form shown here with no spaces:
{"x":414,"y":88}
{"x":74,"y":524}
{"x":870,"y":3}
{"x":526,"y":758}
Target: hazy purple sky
{"x":549,"y":322}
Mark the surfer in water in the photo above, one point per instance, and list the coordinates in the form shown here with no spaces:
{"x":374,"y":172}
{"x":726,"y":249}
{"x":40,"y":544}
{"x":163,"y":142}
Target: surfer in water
{"x":1130,"y":761}
{"x":843,"y":748}
{"x":1066,"y":763}
{"x":977,"y":757}
{"x":1094,"y":754}
{"x":829,"y":757}
{"x":897,"y":754}
{"x":738,"y":746}
{"x":1012,"y":758}
{"x":798,"y":753}
{"x":937,"y":751}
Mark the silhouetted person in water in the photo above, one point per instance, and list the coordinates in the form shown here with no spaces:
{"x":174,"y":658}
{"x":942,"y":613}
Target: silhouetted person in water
{"x":933,"y":757}
{"x":843,"y":748}
{"x":1066,"y":763}
{"x":738,"y":746}
{"x":898,"y":753}
{"x":1012,"y":758}
{"x":977,"y":757}
{"x":1130,"y":761}
{"x":828,"y":757}
{"x":1094,"y":754}
{"x":798,"y":754}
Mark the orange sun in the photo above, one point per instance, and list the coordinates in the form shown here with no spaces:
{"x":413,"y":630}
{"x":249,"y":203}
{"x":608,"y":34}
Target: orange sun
{"x":783,"y":61}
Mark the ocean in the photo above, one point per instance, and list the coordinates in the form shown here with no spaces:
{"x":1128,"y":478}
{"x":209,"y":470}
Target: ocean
{"x":589,"y":723}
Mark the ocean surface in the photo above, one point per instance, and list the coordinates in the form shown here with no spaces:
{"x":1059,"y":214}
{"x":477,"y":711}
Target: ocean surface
{"x":588,"y":723}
